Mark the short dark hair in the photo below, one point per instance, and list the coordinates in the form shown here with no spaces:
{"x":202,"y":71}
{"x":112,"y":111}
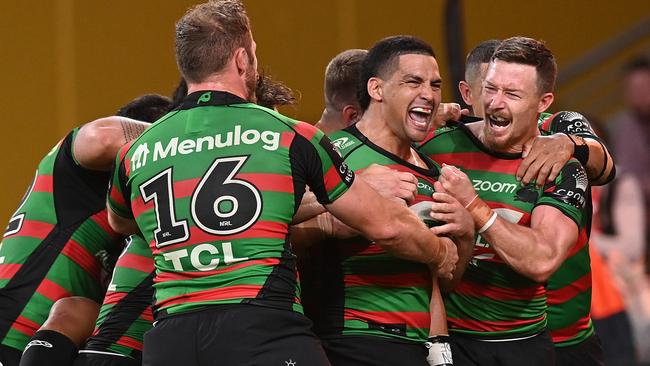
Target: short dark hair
{"x":208,"y":35}
{"x":146,"y":108}
{"x":382,"y":59}
{"x":271,"y":93}
{"x":528,"y":51}
{"x":342,"y":78}
{"x":638,"y":63}
{"x":481,"y":54}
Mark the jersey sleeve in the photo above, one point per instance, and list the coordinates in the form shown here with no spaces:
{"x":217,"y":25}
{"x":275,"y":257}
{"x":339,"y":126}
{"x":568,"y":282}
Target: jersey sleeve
{"x":568,"y":193}
{"x":316,"y":163}
{"x":572,"y":123}
{"x":119,"y":193}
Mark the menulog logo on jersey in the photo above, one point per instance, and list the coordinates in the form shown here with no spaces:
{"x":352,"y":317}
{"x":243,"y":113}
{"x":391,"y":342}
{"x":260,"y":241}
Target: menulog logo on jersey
{"x":269,"y":139}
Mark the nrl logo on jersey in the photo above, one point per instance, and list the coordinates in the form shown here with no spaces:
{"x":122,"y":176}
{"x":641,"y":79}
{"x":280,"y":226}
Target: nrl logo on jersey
{"x":342,"y":143}
{"x":270,"y":141}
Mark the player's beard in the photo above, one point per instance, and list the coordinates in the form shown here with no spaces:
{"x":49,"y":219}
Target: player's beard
{"x":251,"y":84}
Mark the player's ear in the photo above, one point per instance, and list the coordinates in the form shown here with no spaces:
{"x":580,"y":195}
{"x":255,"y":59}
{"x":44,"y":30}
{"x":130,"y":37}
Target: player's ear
{"x":375,"y":90}
{"x":465,"y":92}
{"x":350,"y":114}
{"x":544,"y":102}
{"x":241,"y":60}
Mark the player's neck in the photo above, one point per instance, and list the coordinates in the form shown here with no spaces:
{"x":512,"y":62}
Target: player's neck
{"x":376,"y":129}
{"x":222,"y":82}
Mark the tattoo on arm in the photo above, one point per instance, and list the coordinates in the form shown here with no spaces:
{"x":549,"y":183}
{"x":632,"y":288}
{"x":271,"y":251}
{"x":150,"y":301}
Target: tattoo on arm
{"x":131,"y":130}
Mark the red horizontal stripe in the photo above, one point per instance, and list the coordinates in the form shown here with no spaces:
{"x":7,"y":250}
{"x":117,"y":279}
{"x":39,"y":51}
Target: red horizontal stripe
{"x":82,"y":257}
{"x":361,"y":249}
{"x":580,"y":243}
{"x":138,"y":206}
{"x":478,"y":161}
{"x":185,"y":188}
{"x":225,"y":293}
{"x":413,"y":319}
{"x":263,"y":182}
{"x":332,"y":178}
{"x":287,"y":139}
{"x":147,"y":314}
{"x":127,"y":162}
{"x":269,"y":182}
{"x":52,"y":290}
{"x":305,"y":130}
{"x":568,"y":292}
{"x":101,"y":219}
{"x":490,"y":325}
{"x":44,"y":183}
{"x":8,"y":270}
{"x":137,"y":262}
{"x":25,"y":326}
{"x":564,"y":334}
{"x":179,"y":276}
{"x":467,"y":288}
{"x":35,"y":229}
{"x":112,"y":298}
{"x":261,"y":229}
{"x":117,"y":198}
{"x":398,"y":280}
{"x":130,"y":342}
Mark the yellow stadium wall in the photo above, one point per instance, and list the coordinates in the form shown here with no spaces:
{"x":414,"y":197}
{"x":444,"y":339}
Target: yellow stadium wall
{"x":66,"y":62}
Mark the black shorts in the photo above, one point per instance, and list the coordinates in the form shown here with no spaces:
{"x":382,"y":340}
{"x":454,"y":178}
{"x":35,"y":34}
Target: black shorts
{"x":586,"y":353}
{"x":9,"y":356}
{"x":533,"y":351}
{"x":374,"y":351}
{"x":98,"y":359}
{"x":234,"y":335}
{"x":615,"y":334}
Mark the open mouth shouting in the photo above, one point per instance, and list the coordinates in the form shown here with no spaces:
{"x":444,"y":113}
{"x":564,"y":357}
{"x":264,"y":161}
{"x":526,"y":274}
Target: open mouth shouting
{"x":421,"y":116}
{"x":497,"y":122}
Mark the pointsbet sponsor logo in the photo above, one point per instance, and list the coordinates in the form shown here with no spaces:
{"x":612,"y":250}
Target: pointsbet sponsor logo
{"x":498,"y":187}
{"x":270,"y":141}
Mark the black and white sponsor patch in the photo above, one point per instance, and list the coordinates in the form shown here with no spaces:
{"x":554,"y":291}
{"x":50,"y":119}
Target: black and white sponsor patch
{"x":572,"y":123}
{"x":38,"y":342}
{"x":572,"y":189}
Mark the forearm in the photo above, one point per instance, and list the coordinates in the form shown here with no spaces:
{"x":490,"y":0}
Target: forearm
{"x":533,"y":252}
{"x":522,"y":249}
{"x":438,"y":325}
{"x":419,"y":244}
{"x":389,"y":224}
{"x":465,"y":253}
{"x":600,"y":165}
{"x":308,"y":209}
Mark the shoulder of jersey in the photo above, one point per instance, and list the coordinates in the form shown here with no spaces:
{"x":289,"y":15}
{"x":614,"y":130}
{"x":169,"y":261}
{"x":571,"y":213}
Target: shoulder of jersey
{"x":344,"y":141}
{"x":445,"y":130}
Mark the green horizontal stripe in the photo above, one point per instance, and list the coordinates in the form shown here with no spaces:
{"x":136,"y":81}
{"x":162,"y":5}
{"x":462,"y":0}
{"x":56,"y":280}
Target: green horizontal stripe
{"x":569,"y":312}
{"x":369,"y":298}
{"x":573,"y":268}
{"x":482,"y":308}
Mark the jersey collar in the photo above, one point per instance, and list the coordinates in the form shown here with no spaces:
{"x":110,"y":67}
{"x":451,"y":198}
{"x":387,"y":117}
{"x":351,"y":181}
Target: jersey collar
{"x":204,"y":98}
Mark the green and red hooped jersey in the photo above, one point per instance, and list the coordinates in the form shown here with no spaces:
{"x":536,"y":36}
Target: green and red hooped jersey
{"x":568,"y":291}
{"x":126,"y":313}
{"x":213,"y":187}
{"x":364,"y":290}
{"x":493,"y":300}
{"x":50,"y":244}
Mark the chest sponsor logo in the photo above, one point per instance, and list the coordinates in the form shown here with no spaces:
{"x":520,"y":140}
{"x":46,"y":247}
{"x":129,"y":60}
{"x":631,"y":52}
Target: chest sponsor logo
{"x":270,"y":141}
{"x":497,"y":187}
